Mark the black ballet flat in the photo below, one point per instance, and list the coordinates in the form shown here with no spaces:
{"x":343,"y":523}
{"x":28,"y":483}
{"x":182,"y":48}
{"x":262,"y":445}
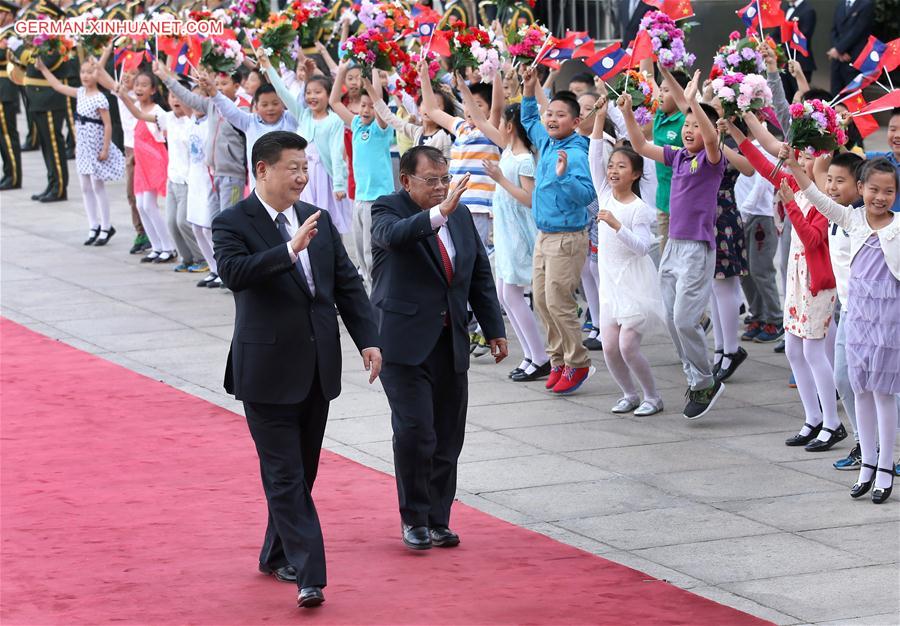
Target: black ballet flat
{"x":95,"y":232}
{"x":717,"y":366}
{"x":880,"y":494}
{"x":802,"y":440}
{"x":860,"y":489}
{"x":839,"y":434}
{"x":518,"y":370}
{"x":736,"y":359}
{"x":102,"y":241}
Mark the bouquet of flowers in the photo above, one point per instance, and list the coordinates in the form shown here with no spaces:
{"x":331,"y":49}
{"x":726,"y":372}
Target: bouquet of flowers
{"x":372,"y":49}
{"x":221,"y":55}
{"x":276,"y":37}
{"x":527,"y":42}
{"x":391,"y":16}
{"x":815,"y":128}
{"x":307,"y":18}
{"x":50,"y":49}
{"x":667,"y":40}
{"x":408,"y":78}
{"x":738,"y":56}
{"x":638,"y":87}
{"x":740,"y":93}
{"x":472,"y":47}
{"x":251,"y":12}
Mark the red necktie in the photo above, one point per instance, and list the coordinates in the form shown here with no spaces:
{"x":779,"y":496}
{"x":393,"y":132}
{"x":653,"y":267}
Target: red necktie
{"x":445,"y":259}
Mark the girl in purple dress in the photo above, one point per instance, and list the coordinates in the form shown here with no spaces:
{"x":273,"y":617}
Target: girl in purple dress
{"x":872,"y":316}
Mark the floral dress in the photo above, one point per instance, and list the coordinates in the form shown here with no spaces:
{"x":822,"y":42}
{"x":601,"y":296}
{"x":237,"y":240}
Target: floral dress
{"x":731,"y":255}
{"x":89,"y":129}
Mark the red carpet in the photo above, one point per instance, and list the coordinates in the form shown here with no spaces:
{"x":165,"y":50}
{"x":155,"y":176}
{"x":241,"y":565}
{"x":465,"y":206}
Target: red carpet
{"x":127,"y":501}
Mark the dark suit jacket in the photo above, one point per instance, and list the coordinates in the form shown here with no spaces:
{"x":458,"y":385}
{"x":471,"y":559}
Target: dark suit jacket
{"x":806,"y":21}
{"x":409,"y":286}
{"x":629,"y":24}
{"x":281,"y":332}
{"x":851,"y":30}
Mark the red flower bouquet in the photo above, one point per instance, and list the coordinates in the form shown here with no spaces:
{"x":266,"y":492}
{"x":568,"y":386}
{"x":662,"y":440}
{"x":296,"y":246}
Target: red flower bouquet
{"x":372,"y":49}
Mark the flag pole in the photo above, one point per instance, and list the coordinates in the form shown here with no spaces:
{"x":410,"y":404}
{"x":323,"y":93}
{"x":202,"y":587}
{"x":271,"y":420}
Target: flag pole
{"x":540,"y":53}
{"x":883,"y":87}
{"x":837,"y":99}
{"x":762,"y":36}
{"x":890,"y":82}
{"x":428,"y":45}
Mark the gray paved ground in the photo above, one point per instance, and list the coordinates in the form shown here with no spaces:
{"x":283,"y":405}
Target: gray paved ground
{"x":719,"y":506}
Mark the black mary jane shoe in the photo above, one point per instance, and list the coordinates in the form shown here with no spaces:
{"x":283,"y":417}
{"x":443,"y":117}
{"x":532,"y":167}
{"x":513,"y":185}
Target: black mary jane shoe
{"x":102,"y":241}
{"x":880,"y":494}
{"x":518,"y":370}
{"x":802,"y":440}
{"x":717,"y":366}
{"x":95,"y":232}
{"x":541,"y":371}
{"x":836,"y":435}
{"x":736,"y":359}
{"x":860,"y":489}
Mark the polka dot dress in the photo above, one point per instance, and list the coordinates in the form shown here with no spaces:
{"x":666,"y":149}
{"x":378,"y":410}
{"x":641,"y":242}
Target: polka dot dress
{"x":89,"y":140}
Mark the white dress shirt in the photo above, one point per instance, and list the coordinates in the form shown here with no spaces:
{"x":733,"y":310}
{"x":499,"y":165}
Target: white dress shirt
{"x":792,"y":9}
{"x":437,"y":221}
{"x":292,"y":227}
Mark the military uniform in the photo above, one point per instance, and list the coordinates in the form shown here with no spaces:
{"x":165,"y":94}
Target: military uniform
{"x":10,"y":150}
{"x":49,"y":110}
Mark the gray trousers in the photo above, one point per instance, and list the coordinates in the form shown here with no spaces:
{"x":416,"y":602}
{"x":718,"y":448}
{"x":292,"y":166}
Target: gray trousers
{"x":362,"y":239}
{"x":176,"y":220}
{"x":685,"y":277}
{"x":761,"y":243}
{"x":225,"y":193}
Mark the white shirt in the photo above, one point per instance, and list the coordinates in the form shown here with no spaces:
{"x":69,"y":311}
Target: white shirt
{"x":754,"y":195}
{"x":839,"y":251}
{"x":128,"y":122}
{"x":792,"y":9}
{"x":176,"y":129}
{"x":292,"y":227}
{"x":438,"y":220}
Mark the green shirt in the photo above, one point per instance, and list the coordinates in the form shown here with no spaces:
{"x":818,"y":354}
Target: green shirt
{"x":666,"y":132}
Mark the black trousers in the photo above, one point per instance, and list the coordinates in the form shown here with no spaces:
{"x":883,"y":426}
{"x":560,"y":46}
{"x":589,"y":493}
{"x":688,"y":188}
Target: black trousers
{"x":9,"y":143}
{"x":841,"y":74}
{"x":31,"y":137}
{"x":428,"y":416}
{"x":50,"y":125}
{"x":288,"y":440}
{"x":70,"y":123}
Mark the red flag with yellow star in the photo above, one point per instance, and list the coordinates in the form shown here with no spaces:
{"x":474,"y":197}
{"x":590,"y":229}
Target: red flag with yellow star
{"x":678,"y":9}
{"x":865,"y":124}
{"x":891,"y":55}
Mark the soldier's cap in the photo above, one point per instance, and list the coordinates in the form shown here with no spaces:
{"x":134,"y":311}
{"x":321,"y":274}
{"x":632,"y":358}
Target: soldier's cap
{"x":8,"y":7}
{"x":51,"y":9}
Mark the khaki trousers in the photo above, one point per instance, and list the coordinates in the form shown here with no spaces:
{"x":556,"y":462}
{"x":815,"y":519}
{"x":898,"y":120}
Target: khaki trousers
{"x":558,"y":259}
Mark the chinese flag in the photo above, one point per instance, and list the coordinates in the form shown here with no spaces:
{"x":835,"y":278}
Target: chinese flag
{"x":865,"y":124}
{"x":641,"y":48}
{"x":891,"y":55}
{"x":770,"y":13}
{"x":440,"y":43}
{"x":885,"y":103}
{"x":678,"y":9}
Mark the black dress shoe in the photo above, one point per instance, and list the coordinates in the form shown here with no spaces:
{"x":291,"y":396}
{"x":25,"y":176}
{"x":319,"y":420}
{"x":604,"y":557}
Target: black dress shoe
{"x":285,"y":573}
{"x":27,"y":147}
{"x":802,"y":440}
{"x":310,"y":597}
{"x":736,"y":359}
{"x":518,"y":370}
{"x":38,"y":196}
{"x":95,"y":232}
{"x":717,"y":366}
{"x":102,"y":241}
{"x":542,"y":371}
{"x":779,"y":347}
{"x":592,"y":343}
{"x":416,"y":537}
{"x":880,"y":494}
{"x":860,"y":489}
{"x":7,"y":184}
{"x":443,"y":537}
{"x":53,"y":197}
{"x":839,"y":434}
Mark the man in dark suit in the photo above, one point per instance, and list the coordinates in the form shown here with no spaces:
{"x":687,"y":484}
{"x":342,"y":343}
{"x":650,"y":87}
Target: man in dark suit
{"x":428,"y":261}
{"x":629,"y":14}
{"x":804,"y":14}
{"x":288,"y":269}
{"x":849,"y":33}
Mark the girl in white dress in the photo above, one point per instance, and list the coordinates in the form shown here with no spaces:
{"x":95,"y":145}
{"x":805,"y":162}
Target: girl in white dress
{"x":630,"y":299}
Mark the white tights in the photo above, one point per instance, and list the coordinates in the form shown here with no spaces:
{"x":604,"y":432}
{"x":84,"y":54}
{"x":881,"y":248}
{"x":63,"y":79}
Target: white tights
{"x":725,"y":304}
{"x":512,"y":298}
{"x":204,"y":242}
{"x":96,"y":204}
{"x":154,"y":222}
{"x":622,"y":353}
{"x":815,"y":381}
{"x":590,"y":282}
{"x":876,"y":410}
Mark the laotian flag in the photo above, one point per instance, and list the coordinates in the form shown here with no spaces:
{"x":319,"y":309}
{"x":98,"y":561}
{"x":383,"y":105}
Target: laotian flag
{"x":769,"y":10}
{"x":871,"y":59}
{"x":608,"y":62}
{"x":791,"y":35}
{"x":187,"y":55}
{"x":575,"y":45}
{"x":860,"y":82}
{"x":426,"y":20}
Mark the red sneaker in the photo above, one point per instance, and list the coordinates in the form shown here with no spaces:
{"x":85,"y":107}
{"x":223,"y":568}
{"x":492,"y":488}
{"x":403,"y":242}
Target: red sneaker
{"x":555,"y":374}
{"x":572,"y":379}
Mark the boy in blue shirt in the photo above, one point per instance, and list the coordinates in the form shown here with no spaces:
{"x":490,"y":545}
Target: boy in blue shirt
{"x":563,"y":190}
{"x":372,"y":169}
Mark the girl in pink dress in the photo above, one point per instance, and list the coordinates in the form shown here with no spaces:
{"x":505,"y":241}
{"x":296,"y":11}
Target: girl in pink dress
{"x":151,"y":162}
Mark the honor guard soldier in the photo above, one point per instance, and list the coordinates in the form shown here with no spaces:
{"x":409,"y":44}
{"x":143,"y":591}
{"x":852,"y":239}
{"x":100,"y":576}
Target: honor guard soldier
{"x":49,"y":110}
{"x":9,"y":104}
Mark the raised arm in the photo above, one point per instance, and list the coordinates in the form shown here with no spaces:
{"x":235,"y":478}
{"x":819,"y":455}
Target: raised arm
{"x":384,"y":112}
{"x":229,"y":110}
{"x":638,"y":141}
{"x":498,"y":101}
{"x":295,"y":105}
{"x":55,"y":83}
{"x":191,"y":99}
{"x":430,"y":105}
{"x":484,"y":125}
{"x":529,"y":113}
{"x":734,"y":157}
{"x":334,"y":99}
{"x":135,"y":110}
{"x":766,"y":139}
{"x":376,"y":93}
{"x":326,"y":56}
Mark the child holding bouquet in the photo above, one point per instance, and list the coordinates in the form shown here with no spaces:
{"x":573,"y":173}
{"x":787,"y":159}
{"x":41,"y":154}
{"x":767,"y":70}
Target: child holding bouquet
{"x":872,"y":314}
{"x":688,"y":263}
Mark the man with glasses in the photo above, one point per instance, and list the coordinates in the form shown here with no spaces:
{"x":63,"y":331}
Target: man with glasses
{"x":428,"y":261}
